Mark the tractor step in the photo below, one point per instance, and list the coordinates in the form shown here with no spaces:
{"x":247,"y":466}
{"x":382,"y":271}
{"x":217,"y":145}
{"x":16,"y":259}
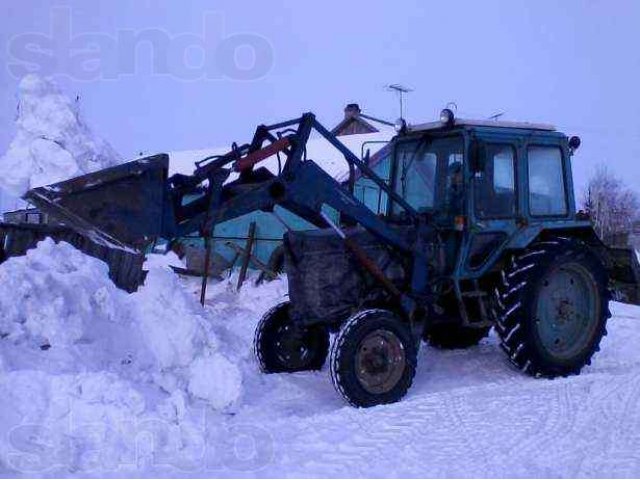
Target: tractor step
{"x":474,"y":294}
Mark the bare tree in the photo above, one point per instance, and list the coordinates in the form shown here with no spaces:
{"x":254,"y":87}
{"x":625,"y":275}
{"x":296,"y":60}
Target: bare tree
{"x":613,"y":206}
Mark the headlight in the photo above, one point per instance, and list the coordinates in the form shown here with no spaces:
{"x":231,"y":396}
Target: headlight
{"x":574,"y":143}
{"x":400,"y":125}
{"x":447,"y":117}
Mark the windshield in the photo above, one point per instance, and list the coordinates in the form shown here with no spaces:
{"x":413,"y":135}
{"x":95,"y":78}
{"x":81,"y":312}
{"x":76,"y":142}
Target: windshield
{"x":420,"y":165}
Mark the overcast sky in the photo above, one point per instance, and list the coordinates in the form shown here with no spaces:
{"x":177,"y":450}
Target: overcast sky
{"x":574,"y":64}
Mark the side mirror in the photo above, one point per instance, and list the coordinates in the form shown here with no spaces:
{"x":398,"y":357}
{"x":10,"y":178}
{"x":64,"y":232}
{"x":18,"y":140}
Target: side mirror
{"x":477,"y":157}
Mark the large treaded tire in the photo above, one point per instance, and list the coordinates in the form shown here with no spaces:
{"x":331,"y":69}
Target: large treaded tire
{"x":450,"y":337}
{"x":271,"y":352}
{"x":516,"y":299}
{"x":348,"y":343}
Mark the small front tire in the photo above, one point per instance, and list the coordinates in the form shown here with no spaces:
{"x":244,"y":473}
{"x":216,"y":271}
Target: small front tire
{"x":282,"y":346}
{"x":373,"y":359}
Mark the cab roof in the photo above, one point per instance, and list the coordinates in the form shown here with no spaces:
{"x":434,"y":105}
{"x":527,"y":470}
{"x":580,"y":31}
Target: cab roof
{"x":461,"y":122}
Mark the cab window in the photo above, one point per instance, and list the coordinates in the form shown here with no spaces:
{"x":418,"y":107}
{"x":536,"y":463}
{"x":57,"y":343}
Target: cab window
{"x":369,"y":193}
{"x":417,"y":182}
{"x":546,"y":181}
{"x":420,"y":165}
{"x":495,"y":187}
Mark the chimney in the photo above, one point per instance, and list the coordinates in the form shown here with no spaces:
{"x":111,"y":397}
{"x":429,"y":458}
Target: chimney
{"x":351,"y":110}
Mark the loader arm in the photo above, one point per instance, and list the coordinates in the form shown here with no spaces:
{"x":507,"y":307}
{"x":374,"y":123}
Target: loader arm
{"x":299,"y":187}
{"x":130,"y":205}
{"x":124,"y":205}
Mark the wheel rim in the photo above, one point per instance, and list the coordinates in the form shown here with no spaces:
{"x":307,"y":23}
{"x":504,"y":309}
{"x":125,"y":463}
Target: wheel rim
{"x":380,"y":361}
{"x":295,"y":347}
{"x":567,"y":310}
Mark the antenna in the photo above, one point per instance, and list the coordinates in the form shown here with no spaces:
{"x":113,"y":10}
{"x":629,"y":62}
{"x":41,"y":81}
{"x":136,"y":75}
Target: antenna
{"x":400,"y":90}
{"x":496,"y":116}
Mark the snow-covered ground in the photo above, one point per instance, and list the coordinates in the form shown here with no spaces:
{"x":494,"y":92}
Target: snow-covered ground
{"x":95,"y":382}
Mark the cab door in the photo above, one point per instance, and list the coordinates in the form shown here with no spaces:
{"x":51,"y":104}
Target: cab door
{"x":493,"y":206}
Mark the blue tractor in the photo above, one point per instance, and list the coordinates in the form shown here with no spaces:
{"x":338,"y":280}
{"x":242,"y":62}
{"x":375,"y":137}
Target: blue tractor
{"x":480,"y":232}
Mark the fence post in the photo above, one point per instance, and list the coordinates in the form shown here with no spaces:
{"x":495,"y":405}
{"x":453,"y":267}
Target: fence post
{"x":207,"y":259}
{"x":247,"y":255}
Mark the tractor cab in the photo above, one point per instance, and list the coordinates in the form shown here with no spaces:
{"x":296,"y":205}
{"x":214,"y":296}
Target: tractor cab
{"x":485,"y":180}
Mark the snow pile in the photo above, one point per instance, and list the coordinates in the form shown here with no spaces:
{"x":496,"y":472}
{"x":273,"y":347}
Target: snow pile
{"x":52,"y":143}
{"x":58,"y":300}
{"x":176,"y":330}
{"x":76,"y":351}
{"x":64,"y":419}
{"x":55,"y":296}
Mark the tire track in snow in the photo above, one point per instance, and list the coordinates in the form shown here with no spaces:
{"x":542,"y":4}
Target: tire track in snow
{"x":462,"y":434}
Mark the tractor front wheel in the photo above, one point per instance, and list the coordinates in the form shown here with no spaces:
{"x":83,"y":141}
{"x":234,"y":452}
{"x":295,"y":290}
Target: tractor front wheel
{"x":552,"y":307}
{"x":373,"y":359}
{"x":282,"y":346}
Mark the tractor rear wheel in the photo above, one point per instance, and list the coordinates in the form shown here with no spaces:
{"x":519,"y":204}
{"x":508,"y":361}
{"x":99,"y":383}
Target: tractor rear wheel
{"x":552,"y":307}
{"x":282,"y":346}
{"x":373,"y":359}
{"x":449,"y":337}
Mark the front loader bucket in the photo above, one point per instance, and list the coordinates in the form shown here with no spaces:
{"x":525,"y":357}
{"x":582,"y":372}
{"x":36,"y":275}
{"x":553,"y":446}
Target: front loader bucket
{"x":118,"y":207}
{"x":625,"y":274}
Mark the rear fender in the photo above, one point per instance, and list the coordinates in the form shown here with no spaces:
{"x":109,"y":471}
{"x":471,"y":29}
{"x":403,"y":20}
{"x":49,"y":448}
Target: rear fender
{"x":622,"y":264}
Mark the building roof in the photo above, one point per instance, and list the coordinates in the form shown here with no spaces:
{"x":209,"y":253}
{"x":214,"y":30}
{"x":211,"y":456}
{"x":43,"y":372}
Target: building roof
{"x":355,"y":122}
